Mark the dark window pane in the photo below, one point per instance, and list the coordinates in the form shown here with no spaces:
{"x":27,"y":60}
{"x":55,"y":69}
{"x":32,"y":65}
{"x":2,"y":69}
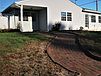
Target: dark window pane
{"x":86,"y":20}
{"x":93,"y":18}
{"x":69,"y":16}
{"x":63,"y":16}
{"x":99,"y":19}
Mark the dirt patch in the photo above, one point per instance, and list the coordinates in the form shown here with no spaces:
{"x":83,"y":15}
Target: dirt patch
{"x":32,"y":60}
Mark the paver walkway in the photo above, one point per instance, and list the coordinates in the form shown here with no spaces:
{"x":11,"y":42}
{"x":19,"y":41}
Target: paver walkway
{"x":64,"y":51}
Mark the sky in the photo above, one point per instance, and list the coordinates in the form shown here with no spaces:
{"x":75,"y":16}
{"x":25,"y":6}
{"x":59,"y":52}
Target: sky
{"x":89,"y":6}
{"x":5,"y":3}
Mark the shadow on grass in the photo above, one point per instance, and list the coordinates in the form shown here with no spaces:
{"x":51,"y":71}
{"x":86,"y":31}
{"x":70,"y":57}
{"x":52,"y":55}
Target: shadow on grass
{"x":67,"y":45}
{"x":34,"y":36}
{"x":71,"y":43}
{"x":87,"y":51}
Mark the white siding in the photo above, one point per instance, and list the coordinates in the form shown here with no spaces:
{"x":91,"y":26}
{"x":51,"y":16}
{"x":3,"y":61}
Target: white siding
{"x":27,"y":25}
{"x":93,"y":26}
{"x":65,"y":6}
{"x":12,"y":22}
{"x":3,"y":22}
{"x":55,"y":7}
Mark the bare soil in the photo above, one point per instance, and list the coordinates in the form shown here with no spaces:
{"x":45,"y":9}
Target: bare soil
{"x":32,"y":60}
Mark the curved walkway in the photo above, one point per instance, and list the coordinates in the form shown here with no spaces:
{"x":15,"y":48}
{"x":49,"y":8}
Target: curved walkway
{"x":65,"y":52}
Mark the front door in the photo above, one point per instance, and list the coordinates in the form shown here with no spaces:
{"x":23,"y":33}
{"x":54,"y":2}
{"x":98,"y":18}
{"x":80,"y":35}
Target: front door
{"x":35,"y":21}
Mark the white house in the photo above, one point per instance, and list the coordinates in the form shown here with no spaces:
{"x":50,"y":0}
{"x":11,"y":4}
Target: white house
{"x":41,"y":15}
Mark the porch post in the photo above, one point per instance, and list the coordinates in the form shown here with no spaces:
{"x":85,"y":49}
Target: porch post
{"x":21,"y":16}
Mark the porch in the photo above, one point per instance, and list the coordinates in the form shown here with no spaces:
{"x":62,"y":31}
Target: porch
{"x":27,"y":18}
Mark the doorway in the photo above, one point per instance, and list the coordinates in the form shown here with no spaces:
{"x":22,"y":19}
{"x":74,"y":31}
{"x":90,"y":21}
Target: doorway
{"x":39,"y":19}
{"x":35,"y":21}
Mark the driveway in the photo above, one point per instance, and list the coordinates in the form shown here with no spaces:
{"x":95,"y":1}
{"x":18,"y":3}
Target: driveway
{"x":64,"y":51}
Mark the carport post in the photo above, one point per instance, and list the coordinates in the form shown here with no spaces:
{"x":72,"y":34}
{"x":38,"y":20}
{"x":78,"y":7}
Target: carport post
{"x":21,"y":16}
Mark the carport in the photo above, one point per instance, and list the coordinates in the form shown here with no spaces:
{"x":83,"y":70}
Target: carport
{"x":29,"y":18}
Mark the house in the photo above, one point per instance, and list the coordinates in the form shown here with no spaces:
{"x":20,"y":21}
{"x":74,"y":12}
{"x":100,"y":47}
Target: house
{"x":41,"y":15}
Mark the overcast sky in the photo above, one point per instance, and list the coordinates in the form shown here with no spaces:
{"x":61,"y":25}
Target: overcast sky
{"x":5,"y":3}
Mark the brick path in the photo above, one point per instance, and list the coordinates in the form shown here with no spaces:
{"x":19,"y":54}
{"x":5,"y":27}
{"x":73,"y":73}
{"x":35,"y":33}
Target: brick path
{"x":64,"y":51}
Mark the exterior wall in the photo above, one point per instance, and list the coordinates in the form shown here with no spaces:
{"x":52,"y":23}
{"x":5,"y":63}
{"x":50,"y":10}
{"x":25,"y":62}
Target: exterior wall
{"x":8,"y":22}
{"x":38,"y":3}
{"x":16,"y":23}
{"x":27,"y":25}
{"x":93,"y":26}
{"x":42,"y":13}
{"x":3,"y":22}
{"x":54,"y":9}
{"x":65,"y":6}
{"x":12,"y":22}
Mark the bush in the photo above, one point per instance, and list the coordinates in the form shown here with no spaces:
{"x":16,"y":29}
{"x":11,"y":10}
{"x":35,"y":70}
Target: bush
{"x":56,"y":27}
{"x":18,"y":26}
{"x":70,"y":28}
{"x":81,"y":28}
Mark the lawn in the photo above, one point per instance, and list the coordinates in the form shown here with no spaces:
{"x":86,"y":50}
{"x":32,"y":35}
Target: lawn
{"x":23,"y":54}
{"x":92,"y":40}
{"x":10,"y":42}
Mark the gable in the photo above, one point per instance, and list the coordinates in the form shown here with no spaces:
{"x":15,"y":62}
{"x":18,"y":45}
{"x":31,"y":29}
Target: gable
{"x":33,"y":2}
{"x":49,"y":3}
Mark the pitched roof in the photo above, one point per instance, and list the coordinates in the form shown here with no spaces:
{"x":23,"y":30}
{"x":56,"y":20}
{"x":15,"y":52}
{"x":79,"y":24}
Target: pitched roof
{"x":90,"y":11}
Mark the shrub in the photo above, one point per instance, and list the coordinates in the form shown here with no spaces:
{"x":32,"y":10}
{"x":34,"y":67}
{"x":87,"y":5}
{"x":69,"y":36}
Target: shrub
{"x":18,"y":26}
{"x":56,"y":27}
{"x":70,"y":28}
{"x":81,"y":28}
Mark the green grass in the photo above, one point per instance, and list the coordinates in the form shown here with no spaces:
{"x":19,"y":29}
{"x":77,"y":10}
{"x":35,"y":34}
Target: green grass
{"x":93,"y":35}
{"x":9,"y":42}
{"x":94,"y":40}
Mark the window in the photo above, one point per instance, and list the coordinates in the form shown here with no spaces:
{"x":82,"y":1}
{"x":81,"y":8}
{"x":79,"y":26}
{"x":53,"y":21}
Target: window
{"x":93,"y":18}
{"x":66,"y":16}
{"x":99,"y":18}
{"x":86,"y":20}
{"x":63,"y":16}
{"x":69,"y":16}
